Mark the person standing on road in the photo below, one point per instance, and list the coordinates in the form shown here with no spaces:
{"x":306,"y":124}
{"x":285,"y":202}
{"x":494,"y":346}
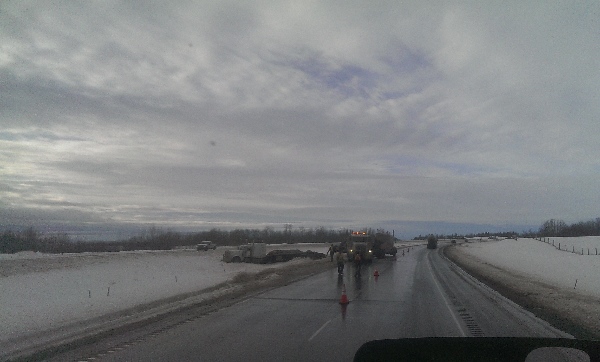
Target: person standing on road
{"x":357,"y":264}
{"x":331,"y":252}
{"x":339,"y":257}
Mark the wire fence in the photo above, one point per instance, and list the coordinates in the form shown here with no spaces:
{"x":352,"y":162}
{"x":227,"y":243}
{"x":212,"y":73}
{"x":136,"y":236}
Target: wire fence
{"x":569,"y":246}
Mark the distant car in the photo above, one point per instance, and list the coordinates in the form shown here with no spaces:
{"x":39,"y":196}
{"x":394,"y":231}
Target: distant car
{"x":453,"y":241}
{"x":205,"y":245}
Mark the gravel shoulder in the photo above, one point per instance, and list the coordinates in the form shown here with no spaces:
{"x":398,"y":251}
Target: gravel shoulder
{"x":566,"y":310}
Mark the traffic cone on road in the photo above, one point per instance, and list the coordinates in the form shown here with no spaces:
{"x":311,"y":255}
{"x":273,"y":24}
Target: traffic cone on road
{"x":344,"y":298}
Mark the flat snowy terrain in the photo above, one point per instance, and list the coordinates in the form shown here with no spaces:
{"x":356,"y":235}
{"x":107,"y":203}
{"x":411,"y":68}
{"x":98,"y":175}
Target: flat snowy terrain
{"x":46,"y":291}
{"x":541,"y":261}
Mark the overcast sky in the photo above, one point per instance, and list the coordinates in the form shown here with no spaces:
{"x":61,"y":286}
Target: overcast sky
{"x":317,"y":113}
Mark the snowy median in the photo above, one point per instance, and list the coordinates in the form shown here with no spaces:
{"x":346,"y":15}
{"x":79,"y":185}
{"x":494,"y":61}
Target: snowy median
{"x":560,"y":286}
{"x":46,"y":294}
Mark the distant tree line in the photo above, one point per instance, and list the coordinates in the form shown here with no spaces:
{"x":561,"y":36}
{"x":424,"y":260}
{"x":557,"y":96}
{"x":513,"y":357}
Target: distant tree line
{"x":158,"y":239}
{"x":487,"y":234}
{"x":552,"y":227}
{"x":555,"y":227}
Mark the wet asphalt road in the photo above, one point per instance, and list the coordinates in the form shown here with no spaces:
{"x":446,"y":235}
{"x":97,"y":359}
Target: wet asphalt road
{"x":419,"y":294}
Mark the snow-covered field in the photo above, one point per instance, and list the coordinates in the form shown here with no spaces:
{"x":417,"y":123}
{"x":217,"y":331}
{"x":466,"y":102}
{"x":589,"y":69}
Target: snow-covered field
{"x":586,"y":245}
{"x":544,"y":262}
{"x":41,"y":292}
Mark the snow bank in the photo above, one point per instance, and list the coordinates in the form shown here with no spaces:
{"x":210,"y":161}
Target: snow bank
{"x":543,"y":262}
{"x":40,"y":292}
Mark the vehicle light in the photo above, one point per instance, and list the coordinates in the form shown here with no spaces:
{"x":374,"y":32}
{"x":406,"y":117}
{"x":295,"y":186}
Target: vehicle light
{"x":370,"y":251}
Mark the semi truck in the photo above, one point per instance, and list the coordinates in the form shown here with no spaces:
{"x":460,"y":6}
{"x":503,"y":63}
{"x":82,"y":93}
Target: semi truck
{"x":431,"y":242}
{"x":360,"y":243}
{"x":369,"y":245}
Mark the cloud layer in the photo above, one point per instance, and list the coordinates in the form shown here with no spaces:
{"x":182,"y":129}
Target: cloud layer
{"x":342,"y":114}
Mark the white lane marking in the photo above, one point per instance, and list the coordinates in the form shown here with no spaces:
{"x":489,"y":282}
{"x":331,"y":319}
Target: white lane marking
{"x":319,"y":330}
{"x":462,"y":332}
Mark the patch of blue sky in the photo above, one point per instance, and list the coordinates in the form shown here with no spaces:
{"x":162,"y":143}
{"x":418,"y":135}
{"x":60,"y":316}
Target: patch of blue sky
{"x":28,"y":135}
{"x":411,"y":66}
{"x":405,"y":60}
{"x":396,"y":94}
{"x":350,"y":80}
{"x":409,"y":165}
{"x":7,"y":136}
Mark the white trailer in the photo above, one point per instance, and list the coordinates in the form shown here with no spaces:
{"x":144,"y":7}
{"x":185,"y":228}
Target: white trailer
{"x":249,"y":253}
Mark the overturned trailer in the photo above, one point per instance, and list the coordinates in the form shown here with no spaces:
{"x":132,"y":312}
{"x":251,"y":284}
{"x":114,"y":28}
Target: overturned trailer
{"x":257,"y":253}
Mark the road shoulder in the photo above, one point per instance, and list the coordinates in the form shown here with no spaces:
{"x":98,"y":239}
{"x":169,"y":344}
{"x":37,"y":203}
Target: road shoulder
{"x":571,"y":312}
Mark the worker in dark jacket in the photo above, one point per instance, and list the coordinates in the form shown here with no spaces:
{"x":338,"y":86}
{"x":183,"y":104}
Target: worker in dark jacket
{"x":357,"y":264}
{"x":339,"y":257}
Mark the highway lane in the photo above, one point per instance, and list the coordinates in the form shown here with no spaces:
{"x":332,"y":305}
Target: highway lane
{"x":420,"y":294}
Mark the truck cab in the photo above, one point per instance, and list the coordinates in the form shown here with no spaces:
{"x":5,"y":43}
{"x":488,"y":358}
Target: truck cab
{"x":432,"y":242}
{"x":249,"y":253}
{"x":360,"y":243}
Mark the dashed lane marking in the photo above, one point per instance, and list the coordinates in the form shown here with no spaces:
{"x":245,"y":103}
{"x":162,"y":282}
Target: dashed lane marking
{"x":319,"y":330}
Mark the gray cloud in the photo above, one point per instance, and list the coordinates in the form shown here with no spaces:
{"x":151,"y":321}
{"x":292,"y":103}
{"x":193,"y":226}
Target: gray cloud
{"x":220,"y":113}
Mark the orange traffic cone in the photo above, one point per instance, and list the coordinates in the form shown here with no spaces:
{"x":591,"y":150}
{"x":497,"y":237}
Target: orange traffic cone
{"x":344,"y":298}
{"x":376,"y":274}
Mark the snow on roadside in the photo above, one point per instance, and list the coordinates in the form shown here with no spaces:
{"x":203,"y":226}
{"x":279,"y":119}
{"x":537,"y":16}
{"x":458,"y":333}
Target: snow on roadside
{"x":544,"y":262}
{"x":40,"y":292}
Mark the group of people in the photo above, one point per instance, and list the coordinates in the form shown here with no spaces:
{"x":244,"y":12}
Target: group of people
{"x":341,"y":260}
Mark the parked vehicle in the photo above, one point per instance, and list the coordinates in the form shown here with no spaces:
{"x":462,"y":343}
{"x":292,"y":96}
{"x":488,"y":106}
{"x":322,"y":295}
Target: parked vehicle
{"x":206,"y":245}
